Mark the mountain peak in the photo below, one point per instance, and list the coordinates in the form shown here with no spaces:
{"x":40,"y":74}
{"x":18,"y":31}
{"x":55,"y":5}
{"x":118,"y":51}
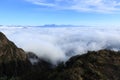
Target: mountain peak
{"x":3,"y":39}
{"x":2,"y":36}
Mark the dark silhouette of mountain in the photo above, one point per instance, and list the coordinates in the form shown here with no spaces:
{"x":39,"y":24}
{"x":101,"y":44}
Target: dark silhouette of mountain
{"x":16,"y":64}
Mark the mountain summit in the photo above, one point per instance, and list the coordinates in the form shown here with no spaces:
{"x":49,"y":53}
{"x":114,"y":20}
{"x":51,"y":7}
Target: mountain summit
{"x":3,"y":39}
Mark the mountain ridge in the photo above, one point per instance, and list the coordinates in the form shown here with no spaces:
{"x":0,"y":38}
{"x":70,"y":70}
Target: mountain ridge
{"x":15,"y":64}
{"x":13,"y":60}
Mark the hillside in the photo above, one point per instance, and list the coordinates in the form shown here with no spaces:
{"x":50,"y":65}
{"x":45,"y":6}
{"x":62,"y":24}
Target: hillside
{"x":13,"y":60}
{"x":99,"y":65}
{"x":16,"y":64}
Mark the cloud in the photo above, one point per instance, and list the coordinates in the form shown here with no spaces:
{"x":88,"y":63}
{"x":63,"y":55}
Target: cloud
{"x":102,"y":6}
{"x":41,"y":3}
{"x":59,"y":44}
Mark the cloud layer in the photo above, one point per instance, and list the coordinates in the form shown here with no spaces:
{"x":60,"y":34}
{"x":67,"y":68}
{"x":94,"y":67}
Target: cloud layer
{"x":60,"y":43}
{"x":103,"y":6}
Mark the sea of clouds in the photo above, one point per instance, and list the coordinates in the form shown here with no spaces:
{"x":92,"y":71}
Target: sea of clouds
{"x":60,"y":43}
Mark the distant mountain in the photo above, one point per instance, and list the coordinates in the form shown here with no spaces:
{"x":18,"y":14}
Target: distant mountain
{"x":46,"y":25}
{"x":54,"y":25}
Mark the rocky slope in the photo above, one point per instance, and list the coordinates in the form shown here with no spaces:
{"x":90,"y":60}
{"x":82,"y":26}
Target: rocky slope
{"x":99,"y":65}
{"x":9,"y":50}
{"x":13,"y":60}
{"x":94,"y":65}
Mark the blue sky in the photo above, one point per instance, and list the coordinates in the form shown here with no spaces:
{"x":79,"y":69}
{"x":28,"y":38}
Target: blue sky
{"x":75,"y":12}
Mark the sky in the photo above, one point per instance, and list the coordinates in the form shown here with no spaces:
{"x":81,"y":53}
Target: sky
{"x":74,"y":12}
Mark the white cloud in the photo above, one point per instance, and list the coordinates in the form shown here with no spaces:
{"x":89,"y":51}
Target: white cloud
{"x":104,"y":6}
{"x":56,"y":44}
{"x":41,"y":3}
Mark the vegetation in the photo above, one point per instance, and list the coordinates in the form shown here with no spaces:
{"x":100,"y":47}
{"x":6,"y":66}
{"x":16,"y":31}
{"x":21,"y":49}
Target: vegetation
{"x":94,"y":65}
{"x":99,"y":65}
